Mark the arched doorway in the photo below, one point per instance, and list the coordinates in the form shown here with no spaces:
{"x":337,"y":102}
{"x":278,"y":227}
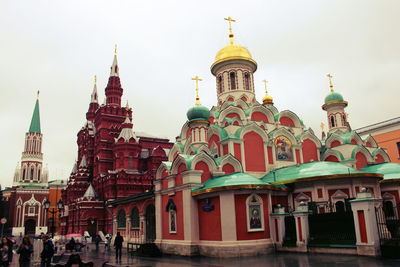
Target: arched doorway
{"x":92,"y":227}
{"x":30,"y":227}
{"x":150,"y":223}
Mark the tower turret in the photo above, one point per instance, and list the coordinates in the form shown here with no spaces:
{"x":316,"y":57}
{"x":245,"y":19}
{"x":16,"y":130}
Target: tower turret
{"x":113,"y":89}
{"x":334,"y":106}
{"x":94,"y":103}
{"x":32,"y":156}
{"x":233,"y":69}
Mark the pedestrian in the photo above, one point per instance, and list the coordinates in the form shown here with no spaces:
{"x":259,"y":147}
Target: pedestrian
{"x":84,"y":243}
{"x":97,"y":241}
{"x":47,"y":252}
{"x":71,"y":244}
{"x":5,"y":252}
{"x":25,"y":250}
{"x":118,"y":246}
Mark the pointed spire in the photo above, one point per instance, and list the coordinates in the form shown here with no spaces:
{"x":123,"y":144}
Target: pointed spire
{"x":94,"y":93}
{"x":83,"y":162}
{"x":35,"y":122}
{"x":197,"y":79}
{"x":90,"y":193}
{"x":323,"y":131}
{"x":114,"y":67}
{"x":230,"y":29}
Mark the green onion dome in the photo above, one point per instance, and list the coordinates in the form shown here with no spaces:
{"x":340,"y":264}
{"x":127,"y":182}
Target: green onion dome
{"x":333,"y":97}
{"x":198,"y":112}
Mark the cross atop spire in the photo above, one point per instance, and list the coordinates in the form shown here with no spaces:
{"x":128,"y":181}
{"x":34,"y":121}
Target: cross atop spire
{"x":197,"y":79}
{"x":35,"y":122}
{"x":330,"y":81}
{"x":115,"y":52}
{"x":230,"y":20}
{"x":94,"y":92}
{"x":114,"y":67}
{"x":38,"y":92}
{"x":266,"y":99}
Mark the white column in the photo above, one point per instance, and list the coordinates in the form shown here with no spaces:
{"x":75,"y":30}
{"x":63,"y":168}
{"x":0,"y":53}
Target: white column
{"x":278,"y":225}
{"x":128,"y":228}
{"x":190,"y":216}
{"x":365,"y":223}
{"x":228,"y":216}
{"x":158,"y":214}
{"x":302,"y":231}
{"x":143,"y":227}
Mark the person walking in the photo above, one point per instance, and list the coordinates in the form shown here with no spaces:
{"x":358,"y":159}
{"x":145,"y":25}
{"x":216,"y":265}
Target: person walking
{"x":118,"y":246}
{"x":5,"y":252}
{"x":25,"y":250}
{"x":97,"y":241}
{"x":47,"y":252}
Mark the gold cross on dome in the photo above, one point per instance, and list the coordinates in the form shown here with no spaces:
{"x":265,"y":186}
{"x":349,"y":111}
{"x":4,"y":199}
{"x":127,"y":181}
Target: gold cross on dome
{"x":197,"y":79}
{"x":230,"y":24}
{"x":115,"y":51}
{"x":265,"y":81}
{"x":330,"y":81}
{"x":38,"y":92}
{"x":322,"y":126}
{"x":95,"y":79}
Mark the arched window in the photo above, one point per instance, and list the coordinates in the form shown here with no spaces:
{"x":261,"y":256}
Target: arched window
{"x":23,"y":174}
{"x":31,"y":174}
{"x":255,"y":214}
{"x":339,"y":206}
{"x":344,"y":120}
{"x":131,"y":162}
{"x":34,"y":145}
{"x":135,"y":217}
{"x":38,"y":174}
{"x":247,"y":81}
{"x":233,"y":84}
{"x":171,"y":209}
{"x":332,"y":121}
{"x":121,"y":220}
{"x":220,"y":84}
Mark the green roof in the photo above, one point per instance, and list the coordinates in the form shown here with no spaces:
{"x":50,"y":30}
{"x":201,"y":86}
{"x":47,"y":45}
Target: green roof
{"x":35,"y":122}
{"x":233,"y":181}
{"x":308,"y":170}
{"x":198,"y":112}
{"x":389,"y":170}
{"x":333,"y":97}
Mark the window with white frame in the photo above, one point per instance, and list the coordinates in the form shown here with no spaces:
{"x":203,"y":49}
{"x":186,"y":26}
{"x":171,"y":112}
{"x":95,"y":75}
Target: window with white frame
{"x":171,"y":209}
{"x":31,"y":211}
{"x":255,"y":214}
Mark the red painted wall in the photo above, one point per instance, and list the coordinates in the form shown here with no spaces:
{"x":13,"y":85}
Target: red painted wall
{"x":389,"y":141}
{"x":238,"y":152}
{"x":258,"y":116}
{"x":335,"y":143}
{"x":270,"y":159}
{"x":344,"y":190}
{"x":214,"y":139}
{"x":279,"y":200}
{"x":254,"y":152}
{"x":210,"y":222}
{"x":354,"y":142}
{"x":298,"y":156}
{"x":361,"y":160}
{"x":179,"y":235}
{"x":300,"y":229}
{"x":379,"y":159}
{"x":241,"y":219}
{"x":206,"y":171}
{"x":310,"y":152}
{"x":286,"y":121}
{"x":178,"y":178}
{"x":225,"y":149}
{"x":363,"y":228}
{"x":332,"y":159}
{"x":232,"y":115}
{"x":228,"y":168}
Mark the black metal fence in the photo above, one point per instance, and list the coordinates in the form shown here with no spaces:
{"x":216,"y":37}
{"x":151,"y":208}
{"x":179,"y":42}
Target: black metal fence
{"x":290,"y":238}
{"x":388,"y":223}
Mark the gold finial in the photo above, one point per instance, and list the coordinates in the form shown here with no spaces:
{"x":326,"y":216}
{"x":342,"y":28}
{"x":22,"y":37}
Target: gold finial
{"x":197,"y":79}
{"x":346,"y":117}
{"x":230,"y":28}
{"x":322,"y":126}
{"x":266,"y":99}
{"x":330,"y":81}
{"x":38,"y":92}
{"x":95,"y":79}
{"x":127,"y":105}
{"x":115,"y":52}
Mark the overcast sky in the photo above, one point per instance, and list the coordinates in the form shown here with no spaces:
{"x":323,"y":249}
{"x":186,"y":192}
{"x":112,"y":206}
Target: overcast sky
{"x":58,"y":46}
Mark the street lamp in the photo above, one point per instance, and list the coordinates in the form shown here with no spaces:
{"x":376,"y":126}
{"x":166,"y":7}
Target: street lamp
{"x":60,"y":206}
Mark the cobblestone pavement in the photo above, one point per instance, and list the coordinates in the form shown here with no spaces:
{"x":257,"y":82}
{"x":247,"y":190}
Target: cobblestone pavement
{"x":278,"y":260}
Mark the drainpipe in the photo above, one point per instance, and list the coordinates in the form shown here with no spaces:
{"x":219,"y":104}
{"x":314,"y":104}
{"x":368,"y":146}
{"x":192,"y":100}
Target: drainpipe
{"x":112,"y":219}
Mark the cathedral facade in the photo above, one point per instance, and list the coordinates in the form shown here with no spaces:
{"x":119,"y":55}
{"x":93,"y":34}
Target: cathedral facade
{"x":113,"y":163}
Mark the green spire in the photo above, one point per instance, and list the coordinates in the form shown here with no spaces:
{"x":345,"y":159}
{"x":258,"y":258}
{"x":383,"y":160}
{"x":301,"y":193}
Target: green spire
{"x":35,"y":122}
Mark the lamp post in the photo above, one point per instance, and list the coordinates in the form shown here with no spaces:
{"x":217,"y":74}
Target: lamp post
{"x":53,"y":211}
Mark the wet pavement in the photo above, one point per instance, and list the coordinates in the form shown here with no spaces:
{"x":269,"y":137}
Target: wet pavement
{"x":278,"y":260}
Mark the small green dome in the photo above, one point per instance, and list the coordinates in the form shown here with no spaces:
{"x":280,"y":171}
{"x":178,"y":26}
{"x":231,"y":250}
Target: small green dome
{"x":333,"y":97}
{"x":198,"y":112}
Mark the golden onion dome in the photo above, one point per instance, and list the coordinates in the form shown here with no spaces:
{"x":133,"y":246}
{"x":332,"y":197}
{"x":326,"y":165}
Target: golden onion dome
{"x":267,"y":99}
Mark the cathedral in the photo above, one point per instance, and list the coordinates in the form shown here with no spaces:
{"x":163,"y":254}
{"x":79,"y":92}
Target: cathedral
{"x":241,"y":179}
{"x":113,"y":163}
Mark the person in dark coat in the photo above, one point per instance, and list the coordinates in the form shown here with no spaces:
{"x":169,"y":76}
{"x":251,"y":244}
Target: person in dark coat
{"x":47,"y":252}
{"x":71,"y":244}
{"x":97,"y":241}
{"x":5,"y":252}
{"x":118,"y":246}
{"x":25,"y":251}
